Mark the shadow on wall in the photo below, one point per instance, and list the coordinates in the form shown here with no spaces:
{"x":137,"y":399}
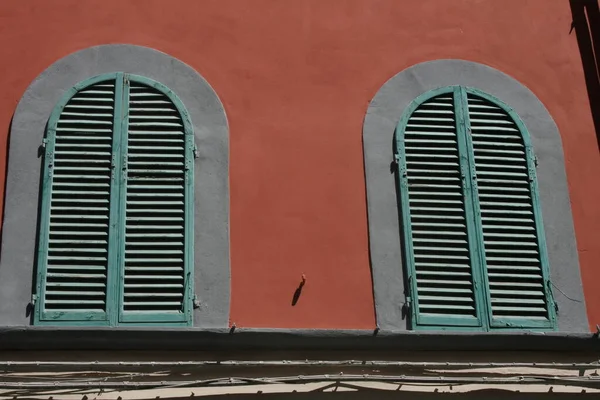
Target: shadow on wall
{"x":394,"y":170}
{"x":586,"y":24}
{"x":5,"y":182}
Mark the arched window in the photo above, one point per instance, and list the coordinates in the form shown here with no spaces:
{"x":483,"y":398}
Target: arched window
{"x":473,"y":237}
{"x":116,"y":218}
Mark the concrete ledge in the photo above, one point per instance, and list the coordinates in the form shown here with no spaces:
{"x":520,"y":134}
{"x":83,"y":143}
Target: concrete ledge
{"x":226,"y":340}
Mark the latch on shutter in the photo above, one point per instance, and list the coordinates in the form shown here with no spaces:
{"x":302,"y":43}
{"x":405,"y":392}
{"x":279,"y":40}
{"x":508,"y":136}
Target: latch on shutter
{"x":407,"y":305}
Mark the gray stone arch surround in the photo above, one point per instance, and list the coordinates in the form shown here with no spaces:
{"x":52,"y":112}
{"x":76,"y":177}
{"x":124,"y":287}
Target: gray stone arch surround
{"x":211,"y":174}
{"x":380,"y":122}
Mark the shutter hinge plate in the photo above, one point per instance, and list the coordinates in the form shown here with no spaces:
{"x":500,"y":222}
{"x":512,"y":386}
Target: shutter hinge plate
{"x":34,"y":298}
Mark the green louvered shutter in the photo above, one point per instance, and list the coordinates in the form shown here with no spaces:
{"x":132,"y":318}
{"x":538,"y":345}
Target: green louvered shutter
{"x":75,"y":223}
{"x":158,"y":207}
{"x":514,"y":245}
{"x":116,"y":221}
{"x":437,"y":226}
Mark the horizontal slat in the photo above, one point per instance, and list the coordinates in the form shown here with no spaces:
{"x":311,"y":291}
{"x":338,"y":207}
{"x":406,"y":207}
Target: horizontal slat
{"x":162,"y":132}
{"x":78,"y":301}
{"x":450,"y":307}
{"x":77,"y":276}
{"x":450,"y":299}
{"x":516,"y":285}
{"x":494,"y":128}
{"x":82,"y":138}
{"x":86,"y":130}
{"x":148,"y":252}
{"x":519,"y":310}
{"x":151,"y":260}
{"x":83,"y":269}
{"x":514,"y":276}
{"x":97,"y":99}
{"x":88,"y":107}
{"x":155,"y":235}
{"x":152,"y":269}
{"x":85,"y":153}
{"x":150,"y":303}
{"x":73,"y":294}
{"x":95,"y":121}
{"x":435,"y":290}
{"x":80,"y":284}
{"x":155,"y":285}
{"x":512,"y":267}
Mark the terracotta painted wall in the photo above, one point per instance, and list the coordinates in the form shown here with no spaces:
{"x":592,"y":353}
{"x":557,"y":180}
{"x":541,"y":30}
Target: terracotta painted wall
{"x":295,"y":78}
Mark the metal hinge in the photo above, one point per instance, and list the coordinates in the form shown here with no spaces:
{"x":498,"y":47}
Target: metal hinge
{"x":34,"y":298}
{"x":196,"y":301}
{"x":396,"y":158}
{"x":44,"y":142}
{"x":196,"y":154}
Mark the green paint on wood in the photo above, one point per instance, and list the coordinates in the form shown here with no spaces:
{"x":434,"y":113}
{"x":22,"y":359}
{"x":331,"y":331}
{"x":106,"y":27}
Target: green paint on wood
{"x":105,"y":260}
{"x":473,"y":236}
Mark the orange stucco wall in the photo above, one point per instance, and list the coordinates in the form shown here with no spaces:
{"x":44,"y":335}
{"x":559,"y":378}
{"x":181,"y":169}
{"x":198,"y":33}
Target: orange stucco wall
{"x":296,"y":78}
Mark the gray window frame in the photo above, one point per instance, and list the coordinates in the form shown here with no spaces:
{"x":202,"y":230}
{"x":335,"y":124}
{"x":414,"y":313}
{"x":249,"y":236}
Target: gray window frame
{"x":382,"y":116}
